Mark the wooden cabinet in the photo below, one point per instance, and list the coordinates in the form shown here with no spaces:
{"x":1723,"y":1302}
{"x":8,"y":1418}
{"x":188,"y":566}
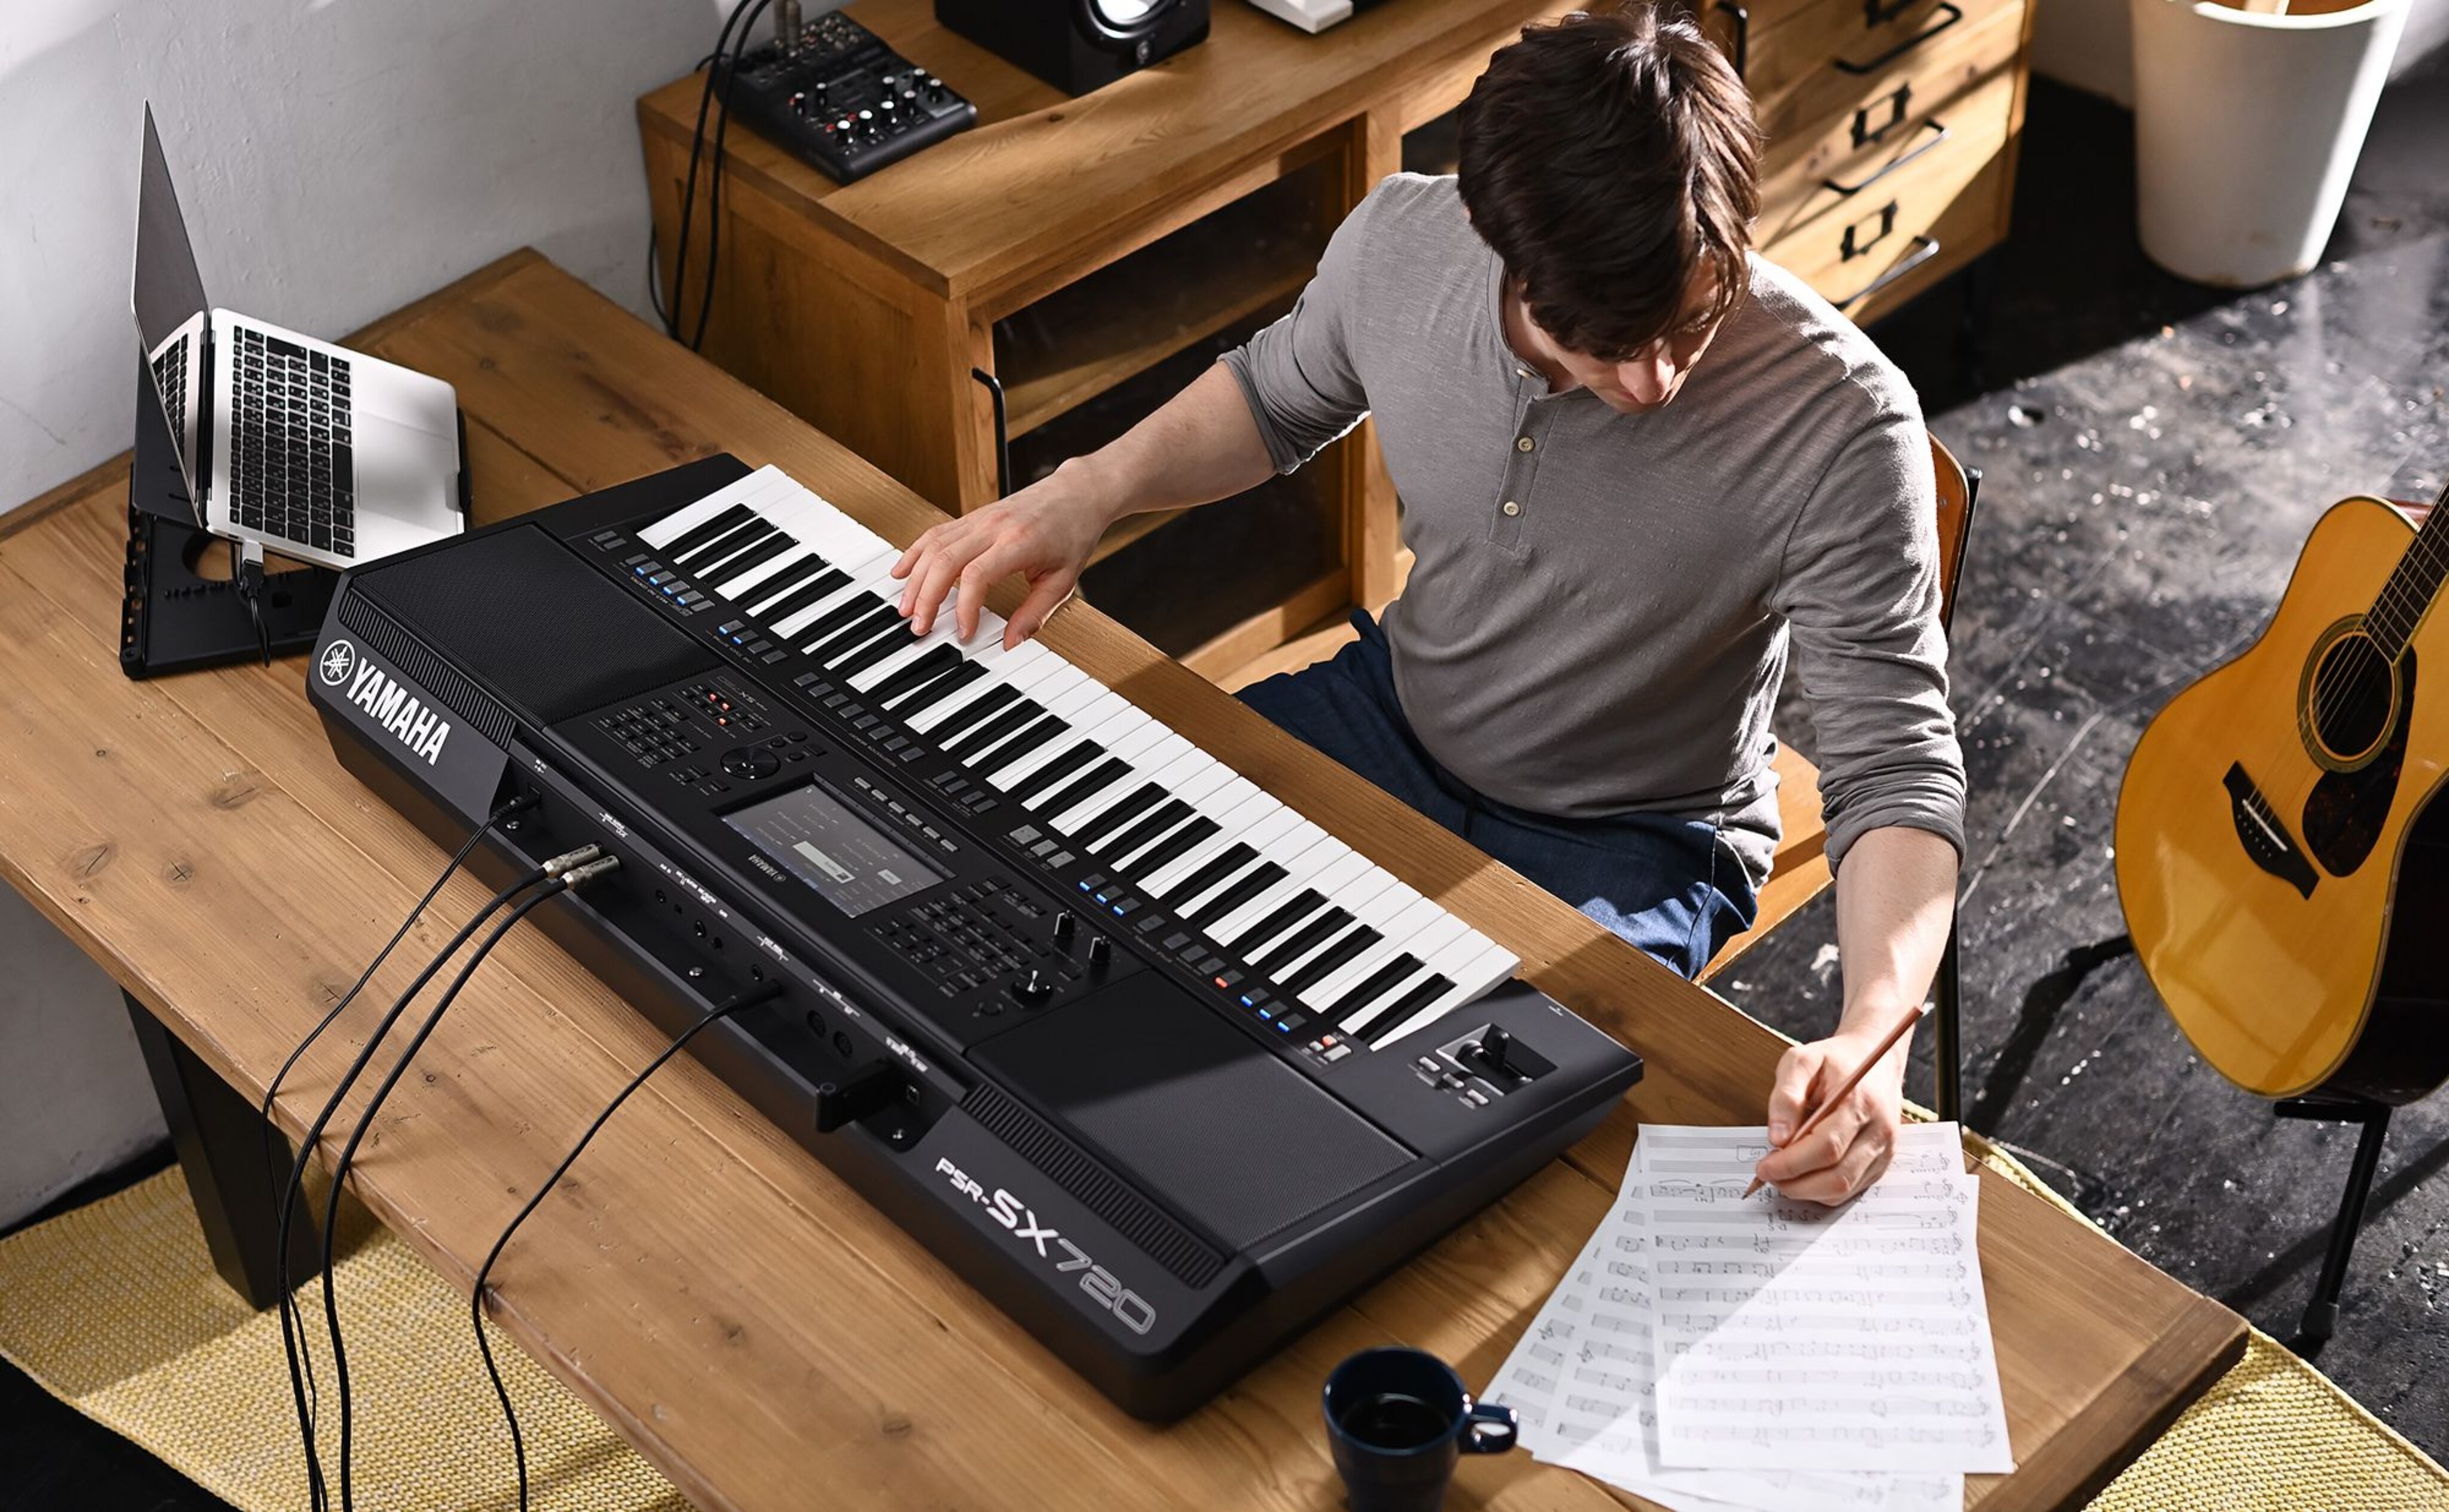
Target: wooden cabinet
{"x":1084,"y":257}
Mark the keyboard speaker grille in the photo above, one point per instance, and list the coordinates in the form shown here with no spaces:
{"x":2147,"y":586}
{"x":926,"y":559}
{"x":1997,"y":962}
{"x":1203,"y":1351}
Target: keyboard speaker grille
{"x":379,"y":633}
{"x":1187,"y":1258}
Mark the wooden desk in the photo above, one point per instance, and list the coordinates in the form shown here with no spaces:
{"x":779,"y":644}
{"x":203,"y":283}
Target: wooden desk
{"x":1085,"y":252}
{"x":708,"y":1286}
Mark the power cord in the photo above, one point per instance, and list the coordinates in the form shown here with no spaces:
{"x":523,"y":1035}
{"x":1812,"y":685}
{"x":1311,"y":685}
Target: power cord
{"x":743,"y":16}
{"x":476,"y":1295}
{"x":577,"y":877}
{"x":714,"y":195}
{"x":292,"y":1327}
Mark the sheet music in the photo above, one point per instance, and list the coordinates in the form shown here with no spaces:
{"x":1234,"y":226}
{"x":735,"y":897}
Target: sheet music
{"x":1583,"y":1377}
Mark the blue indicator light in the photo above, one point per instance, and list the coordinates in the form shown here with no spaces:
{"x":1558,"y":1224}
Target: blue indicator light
{"x":1264,"y":1014}
{"x":1283,"y":1028}
{"x":1084,"y":886}
{"x":1246,"y":1003}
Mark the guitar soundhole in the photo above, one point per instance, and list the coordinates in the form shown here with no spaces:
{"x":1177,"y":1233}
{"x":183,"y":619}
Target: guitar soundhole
{"x":2350,"y":697}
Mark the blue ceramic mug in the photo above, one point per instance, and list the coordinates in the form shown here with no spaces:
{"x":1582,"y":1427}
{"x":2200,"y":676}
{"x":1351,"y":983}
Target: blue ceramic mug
{"x":1397,"y":1419}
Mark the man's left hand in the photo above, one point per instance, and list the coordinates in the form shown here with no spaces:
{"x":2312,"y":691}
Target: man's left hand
{"x":1851,"y":1146}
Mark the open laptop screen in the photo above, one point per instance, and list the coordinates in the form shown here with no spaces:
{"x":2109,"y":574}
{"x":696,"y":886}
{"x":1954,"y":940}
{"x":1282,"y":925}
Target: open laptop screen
{"x":169,"y":295}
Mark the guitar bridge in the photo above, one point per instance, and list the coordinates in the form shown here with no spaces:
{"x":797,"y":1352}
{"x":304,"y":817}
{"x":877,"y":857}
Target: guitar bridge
{"x":2265,"y":838}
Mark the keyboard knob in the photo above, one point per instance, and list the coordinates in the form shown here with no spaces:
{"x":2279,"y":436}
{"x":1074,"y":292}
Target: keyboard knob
{"x":1101,"y":952}
{"x":1034,"y":991}
{"x":1067,"y":923}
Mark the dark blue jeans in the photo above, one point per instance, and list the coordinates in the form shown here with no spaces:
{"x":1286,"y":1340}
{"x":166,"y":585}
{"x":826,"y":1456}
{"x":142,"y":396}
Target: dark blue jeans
{"x":1664,"y":884}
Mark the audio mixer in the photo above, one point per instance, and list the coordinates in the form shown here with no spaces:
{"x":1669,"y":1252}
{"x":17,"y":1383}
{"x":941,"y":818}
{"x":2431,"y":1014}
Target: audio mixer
{"x":841,"y":100}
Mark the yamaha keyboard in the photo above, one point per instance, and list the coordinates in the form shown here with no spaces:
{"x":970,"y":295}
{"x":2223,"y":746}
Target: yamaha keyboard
{"x":1159,"y":1065}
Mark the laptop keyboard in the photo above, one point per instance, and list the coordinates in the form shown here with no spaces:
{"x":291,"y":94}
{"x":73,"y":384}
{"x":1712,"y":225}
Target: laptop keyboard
{"x":170,"y":382}
{"x":292,"y":472}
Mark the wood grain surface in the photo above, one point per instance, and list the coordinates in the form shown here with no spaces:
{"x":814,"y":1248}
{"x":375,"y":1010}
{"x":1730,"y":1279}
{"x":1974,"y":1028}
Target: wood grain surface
{"x":710,"y":1287}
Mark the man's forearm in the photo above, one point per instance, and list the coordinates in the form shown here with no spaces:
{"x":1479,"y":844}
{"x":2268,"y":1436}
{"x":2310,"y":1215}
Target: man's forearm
{"x":1892,"y":898}
{"x":1200,"y":446}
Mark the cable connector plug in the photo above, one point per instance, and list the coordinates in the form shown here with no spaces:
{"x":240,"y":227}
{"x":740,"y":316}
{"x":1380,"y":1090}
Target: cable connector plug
{"x":572,"y":858}
{"x":579,"y":877}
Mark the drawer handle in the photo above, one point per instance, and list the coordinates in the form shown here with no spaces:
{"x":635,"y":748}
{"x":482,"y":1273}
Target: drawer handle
{"x":1741,"y":52}
{"x":1939,"y":134}
{"x":1866,"y":133}
{"x":1924,"y":249}
{"x":1952,"y":13}
{"x":1849,"y":248}
{"x":1002,"y":434}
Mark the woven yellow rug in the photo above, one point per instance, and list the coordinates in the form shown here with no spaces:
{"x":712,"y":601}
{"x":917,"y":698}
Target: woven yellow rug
{"x":115,"y":1308}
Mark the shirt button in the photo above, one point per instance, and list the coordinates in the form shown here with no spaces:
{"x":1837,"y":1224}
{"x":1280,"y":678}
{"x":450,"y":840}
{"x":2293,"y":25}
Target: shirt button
{"x":1512,"y":507}
{"x":1525,"y":444}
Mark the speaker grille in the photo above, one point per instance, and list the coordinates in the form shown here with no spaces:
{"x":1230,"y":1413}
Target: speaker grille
{"x":380,"y":634}
{"x":1183,"y":1256}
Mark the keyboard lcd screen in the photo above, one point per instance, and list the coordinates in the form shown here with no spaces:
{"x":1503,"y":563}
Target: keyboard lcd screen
{"x":851,"y":863}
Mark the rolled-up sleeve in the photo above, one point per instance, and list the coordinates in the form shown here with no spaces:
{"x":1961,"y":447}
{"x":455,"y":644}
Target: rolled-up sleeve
{"x":1298,"y":375}
{"x":1859,"y":587}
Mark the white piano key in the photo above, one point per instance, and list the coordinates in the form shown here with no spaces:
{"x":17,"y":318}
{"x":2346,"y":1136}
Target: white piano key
{"x":1448,"y":940}
{"x":1230,"y":826}
{"x":1268,"y":832}
{"x":895,"y":664}
{"x":1397,"y":915}
{"x":1070,"y":819}
{"x":951,"y":705}
{"x":1324,"y":874}
{"x":1014,"y":773}
{"x":689,"y":517}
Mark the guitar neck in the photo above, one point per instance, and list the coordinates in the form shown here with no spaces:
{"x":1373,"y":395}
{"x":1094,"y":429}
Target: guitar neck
{"x":2414,"y":584}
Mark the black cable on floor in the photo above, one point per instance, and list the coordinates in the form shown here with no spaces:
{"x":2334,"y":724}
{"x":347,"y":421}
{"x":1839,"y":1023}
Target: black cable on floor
{"x":291,"y":1330}
{"x":476,"y":1295}
{"x":551,"y":888}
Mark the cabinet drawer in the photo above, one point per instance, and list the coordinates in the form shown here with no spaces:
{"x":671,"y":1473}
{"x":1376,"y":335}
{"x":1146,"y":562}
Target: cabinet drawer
{"x":1937,"y":90}
{"x":1806,"y":62}
{"x":1844,"y":243}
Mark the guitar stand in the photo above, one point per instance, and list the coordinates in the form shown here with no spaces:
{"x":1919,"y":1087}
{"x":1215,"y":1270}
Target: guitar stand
{"x":2321,"y":1313}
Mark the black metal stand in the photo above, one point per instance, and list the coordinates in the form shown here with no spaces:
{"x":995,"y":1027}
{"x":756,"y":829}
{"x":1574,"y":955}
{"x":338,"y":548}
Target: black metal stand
{"x":173,"y":618}
{"x":220,"y":1139}
{"x":2321,"y":1312}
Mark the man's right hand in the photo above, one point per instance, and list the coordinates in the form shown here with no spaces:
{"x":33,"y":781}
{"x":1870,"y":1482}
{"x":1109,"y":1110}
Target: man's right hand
{"x":1045,"y":532}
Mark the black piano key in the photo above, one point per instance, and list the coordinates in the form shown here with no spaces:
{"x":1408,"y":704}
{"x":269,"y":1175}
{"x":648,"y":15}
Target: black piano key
{"x":1331,"y":960}
{"x":722,"y":545}
{"x":834,"y":620}
{"x":1167,"y":814}
{"x":933,"y":692}
{"x":755,"y":555}
{"x":1114,"y":815}
{"x":1224,"y":863}
{"x":983,"y":737}
{"x":1032,"y":738}
{"x":828,"y":583}
{"x":971,"y":712}
{"x":930,"y":666}
{"x":1166,"y":852}
{"x":757,"y":598}
{"x":1298,"y":944}
{"x":884,"y":648}
{"x":1374,"y":985}
{"x":711,"y":531}
{"x":724,"y":560}
{"x":1430,"y":988}
{"x":1255,"y":938}
{"x":1058,"y":769}
{"x":1241,"y":889}
{"x":859,"y":632}
{"x":1063,"y":801}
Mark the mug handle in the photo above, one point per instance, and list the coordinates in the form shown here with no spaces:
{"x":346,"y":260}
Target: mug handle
{"x":1489,"y":1428}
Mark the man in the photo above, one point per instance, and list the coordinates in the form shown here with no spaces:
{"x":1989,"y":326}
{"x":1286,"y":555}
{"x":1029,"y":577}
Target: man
{"x":1616,"y":540}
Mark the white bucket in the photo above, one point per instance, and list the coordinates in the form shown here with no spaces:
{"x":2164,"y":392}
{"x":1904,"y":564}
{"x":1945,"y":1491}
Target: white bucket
{"x":2247,"y":128}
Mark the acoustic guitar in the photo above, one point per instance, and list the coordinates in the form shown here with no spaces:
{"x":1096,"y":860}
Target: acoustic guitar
{"x":2282,"y":865}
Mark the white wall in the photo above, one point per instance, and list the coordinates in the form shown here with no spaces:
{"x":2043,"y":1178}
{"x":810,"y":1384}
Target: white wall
{"x":336,"y":159}
{"x":2090,"y":44}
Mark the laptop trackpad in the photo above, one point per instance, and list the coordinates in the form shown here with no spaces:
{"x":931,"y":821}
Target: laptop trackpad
{"x":404,"y":471}
{"x":1164,"y":1089}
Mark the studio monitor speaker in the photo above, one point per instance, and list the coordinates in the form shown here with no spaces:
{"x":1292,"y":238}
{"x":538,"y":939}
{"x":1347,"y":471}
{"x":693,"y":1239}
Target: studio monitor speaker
{"x":1078,"y":44}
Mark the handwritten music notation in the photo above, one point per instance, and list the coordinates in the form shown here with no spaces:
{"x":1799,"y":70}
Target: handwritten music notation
{"x":1761,"y":1331}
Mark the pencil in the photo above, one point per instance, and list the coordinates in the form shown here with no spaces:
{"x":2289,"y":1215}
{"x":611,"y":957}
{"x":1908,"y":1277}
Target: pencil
{"x":1904,"y":1027}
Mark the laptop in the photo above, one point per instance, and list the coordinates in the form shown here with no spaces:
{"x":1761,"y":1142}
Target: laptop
{"x":286,"y":444}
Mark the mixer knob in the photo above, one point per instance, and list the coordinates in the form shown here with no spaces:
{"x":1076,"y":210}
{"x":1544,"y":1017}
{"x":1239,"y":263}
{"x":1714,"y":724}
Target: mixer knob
{"x":1034,"y":991}
{"x":799,"y":104}
{"x":1067,"y":923}
{"x":1101,"y":952}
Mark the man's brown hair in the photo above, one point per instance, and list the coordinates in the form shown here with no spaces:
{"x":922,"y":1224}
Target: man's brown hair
{"x":1609,"y":159}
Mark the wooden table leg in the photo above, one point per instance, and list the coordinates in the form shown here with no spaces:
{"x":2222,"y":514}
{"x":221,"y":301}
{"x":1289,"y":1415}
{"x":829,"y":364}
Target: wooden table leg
{"x":221,"y":1139}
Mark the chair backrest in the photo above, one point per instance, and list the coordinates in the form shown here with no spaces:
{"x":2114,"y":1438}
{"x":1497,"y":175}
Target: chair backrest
{"x":1957,"y":490}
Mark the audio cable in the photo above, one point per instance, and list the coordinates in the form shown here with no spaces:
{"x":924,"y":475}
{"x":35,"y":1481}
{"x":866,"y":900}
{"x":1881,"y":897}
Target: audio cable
{"x":742,"y":17}
{"x":554,"y":886}
{"x":477,"y":1295}
{"x":292,"y":1327}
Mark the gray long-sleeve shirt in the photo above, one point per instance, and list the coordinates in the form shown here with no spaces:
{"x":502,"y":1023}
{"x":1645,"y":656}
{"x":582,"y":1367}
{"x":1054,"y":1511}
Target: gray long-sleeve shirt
{"x":1602,"y":604}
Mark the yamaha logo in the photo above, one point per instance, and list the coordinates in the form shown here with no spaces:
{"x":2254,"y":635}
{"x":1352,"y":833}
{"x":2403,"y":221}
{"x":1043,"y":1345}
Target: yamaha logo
{"x":388,"y":703}
{"x":340,"y":659}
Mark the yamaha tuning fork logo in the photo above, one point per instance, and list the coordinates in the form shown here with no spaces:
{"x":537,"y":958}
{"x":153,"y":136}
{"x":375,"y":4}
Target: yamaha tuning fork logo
{"x":387,"y":702}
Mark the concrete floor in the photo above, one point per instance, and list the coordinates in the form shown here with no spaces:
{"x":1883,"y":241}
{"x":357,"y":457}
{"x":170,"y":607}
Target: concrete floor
{"x":2154,"y":454}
